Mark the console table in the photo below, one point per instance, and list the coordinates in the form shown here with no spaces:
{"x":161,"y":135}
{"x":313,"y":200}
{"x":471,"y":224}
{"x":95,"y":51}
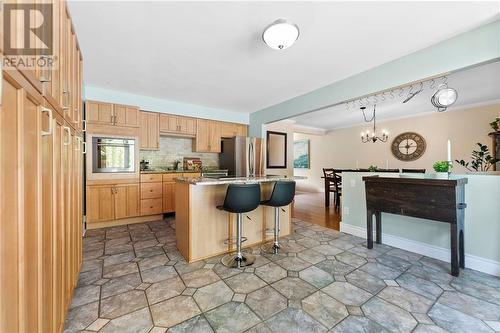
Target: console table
{"x":441,"y":200}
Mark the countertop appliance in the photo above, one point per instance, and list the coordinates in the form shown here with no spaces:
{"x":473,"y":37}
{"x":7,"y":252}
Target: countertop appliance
{"x":241,"y":156}
{"x":111,"y":155}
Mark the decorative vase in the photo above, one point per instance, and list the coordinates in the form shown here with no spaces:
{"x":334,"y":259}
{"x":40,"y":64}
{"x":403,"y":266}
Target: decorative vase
{"x":441,"y":175}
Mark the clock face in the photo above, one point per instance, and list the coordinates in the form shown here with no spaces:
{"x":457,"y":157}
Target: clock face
{"x":408,"y":146}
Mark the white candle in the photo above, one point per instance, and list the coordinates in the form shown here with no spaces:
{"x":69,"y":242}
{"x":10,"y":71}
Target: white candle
{"x":387,"y":164}
{"x":357,"y":164}
{"x":449,"y":150}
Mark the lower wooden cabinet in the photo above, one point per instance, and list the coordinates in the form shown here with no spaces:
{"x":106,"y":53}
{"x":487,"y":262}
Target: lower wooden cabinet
{"x":168,"y":197}
{"x":111,"y":202}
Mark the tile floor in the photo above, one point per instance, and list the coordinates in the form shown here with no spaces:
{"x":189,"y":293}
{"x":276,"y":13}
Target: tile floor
{"x":134,"y":280}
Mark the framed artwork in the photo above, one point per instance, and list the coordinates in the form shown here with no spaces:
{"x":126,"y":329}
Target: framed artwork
{"x":276,"y":150}
{"x":301,"y":158}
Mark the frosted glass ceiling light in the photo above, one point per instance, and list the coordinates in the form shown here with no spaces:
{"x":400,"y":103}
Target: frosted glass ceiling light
{"x":280,"y":34}
{"x":444,"y":97}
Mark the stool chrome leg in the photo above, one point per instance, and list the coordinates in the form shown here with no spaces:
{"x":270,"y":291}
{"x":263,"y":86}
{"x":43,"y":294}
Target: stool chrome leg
{"x":276,"y":245}
{"x":238,"y":260}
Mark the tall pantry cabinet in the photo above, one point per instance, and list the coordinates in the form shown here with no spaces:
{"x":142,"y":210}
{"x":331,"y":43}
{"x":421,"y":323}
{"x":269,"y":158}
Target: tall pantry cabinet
{"x":41,"y":186}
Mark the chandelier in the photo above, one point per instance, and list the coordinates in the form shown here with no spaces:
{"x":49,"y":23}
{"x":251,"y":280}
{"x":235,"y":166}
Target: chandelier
{"x":373,"y":137}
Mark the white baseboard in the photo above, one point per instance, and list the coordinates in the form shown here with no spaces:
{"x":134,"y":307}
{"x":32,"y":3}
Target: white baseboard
{"x":471,"y":261}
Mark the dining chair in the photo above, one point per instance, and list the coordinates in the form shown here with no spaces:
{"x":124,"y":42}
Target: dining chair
{"x":329,"y":186}
{"x":337,"y":185}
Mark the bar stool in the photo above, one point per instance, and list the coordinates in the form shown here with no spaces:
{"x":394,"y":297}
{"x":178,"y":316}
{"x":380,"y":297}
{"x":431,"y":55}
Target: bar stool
{"x":282,"y":195}
{"x":240,"y":198}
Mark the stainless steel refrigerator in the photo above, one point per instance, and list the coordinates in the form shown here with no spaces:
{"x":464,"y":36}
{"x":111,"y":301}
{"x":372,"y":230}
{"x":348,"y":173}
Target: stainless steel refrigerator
{"x":241,"y":156}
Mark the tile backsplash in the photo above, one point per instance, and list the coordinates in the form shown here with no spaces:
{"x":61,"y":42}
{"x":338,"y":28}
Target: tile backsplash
{"x":175,"y":149}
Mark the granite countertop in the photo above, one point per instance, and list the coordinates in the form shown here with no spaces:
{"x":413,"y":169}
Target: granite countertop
{"x":235,"y":180}
{"x":168,"y":171}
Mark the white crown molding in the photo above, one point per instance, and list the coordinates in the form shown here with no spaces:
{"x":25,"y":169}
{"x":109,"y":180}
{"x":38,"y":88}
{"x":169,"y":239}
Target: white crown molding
{"x":471,"y":261}
{"x":308,"y":130}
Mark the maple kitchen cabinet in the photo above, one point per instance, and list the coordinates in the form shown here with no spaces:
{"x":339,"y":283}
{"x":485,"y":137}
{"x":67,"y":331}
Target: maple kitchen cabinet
{"x":101,"y":113}
{"x":149,"y":130}
{"x":177,"y":125}
{"x":112,"y":201}
{"x":231,"y":129}
{"x":208,"y":136}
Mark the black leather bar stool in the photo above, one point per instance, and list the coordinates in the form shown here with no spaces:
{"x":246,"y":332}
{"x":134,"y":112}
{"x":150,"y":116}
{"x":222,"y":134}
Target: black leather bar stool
{"x":240,"y":198}
{"x":282,"y":195}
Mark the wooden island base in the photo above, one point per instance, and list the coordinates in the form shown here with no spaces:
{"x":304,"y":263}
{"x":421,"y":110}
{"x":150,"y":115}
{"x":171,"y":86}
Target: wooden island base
{"x":202,"y":230}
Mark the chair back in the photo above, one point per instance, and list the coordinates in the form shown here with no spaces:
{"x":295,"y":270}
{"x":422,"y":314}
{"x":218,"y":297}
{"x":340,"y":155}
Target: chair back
{"x":328,"y":172}
{"x":242,"y":198}
{"x":413,"y":170}
{"x":337,"y":179}
{"x":283,"y":194}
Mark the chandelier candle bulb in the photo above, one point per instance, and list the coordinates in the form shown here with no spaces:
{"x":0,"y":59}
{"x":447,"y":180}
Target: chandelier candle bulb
{"x":449,"y":151}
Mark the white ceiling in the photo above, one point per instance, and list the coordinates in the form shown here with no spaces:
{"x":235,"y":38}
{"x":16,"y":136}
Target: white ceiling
{"x":211,"y":53}
{"x":476,"y":85}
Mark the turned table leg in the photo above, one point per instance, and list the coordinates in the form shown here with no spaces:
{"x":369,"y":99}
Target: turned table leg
{"x":369,"y":229}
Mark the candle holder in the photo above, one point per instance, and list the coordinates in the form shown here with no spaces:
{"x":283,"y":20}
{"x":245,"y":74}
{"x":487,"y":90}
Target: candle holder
{"x":450,"y":166}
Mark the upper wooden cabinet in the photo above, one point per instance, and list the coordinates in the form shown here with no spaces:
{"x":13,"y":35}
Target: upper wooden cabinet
{"x":231,"y":129}
{"x":149,"y":134}
{"x":208,"y":136}
{"x":178,"y":125}
{"x":112,"y":114}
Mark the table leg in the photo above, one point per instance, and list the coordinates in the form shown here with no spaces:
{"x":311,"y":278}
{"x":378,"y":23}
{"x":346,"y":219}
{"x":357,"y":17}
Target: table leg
{"x":461,"y":248}
{"x":378,"y":227}
{"x":454,"y":249}
{"x":327,"y":193}
{"x":369,"y":229}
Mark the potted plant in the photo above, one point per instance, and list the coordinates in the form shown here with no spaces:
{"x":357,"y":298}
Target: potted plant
{"x":442,"y":168}
{"x":495,"y":125}
{"x":373,"y":168}
{"x":481,"y":160}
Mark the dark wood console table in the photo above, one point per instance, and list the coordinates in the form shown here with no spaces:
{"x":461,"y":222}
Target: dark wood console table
{"x":441,"y":200}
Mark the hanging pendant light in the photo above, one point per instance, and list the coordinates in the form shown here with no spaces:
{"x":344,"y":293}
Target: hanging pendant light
{"x":280,"y":34}
{"x":373,"y":137}
{"x":444,"y":97}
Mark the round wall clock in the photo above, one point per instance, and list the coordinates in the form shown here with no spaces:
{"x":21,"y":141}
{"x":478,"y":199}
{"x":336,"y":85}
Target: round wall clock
{"x":408,"y":146}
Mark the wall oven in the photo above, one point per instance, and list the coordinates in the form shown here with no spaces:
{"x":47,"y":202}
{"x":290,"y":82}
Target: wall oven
{"x":113,"y":155}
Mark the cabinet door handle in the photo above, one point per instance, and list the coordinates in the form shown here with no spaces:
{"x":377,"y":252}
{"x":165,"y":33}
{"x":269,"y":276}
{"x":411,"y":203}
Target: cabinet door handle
{"x":68,"y":132}
{"x":76,"y":121}
{"x":43,"y":80}
{"x":51,"y":125}
{"x":67,"y":93}
{"x":84,"y":151}
{"x":84,"y":125}
{"x":77,"y":148}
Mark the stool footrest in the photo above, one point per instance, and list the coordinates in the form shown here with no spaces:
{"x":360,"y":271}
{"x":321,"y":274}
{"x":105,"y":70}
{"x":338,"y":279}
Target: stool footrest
{"x":234,"y":240}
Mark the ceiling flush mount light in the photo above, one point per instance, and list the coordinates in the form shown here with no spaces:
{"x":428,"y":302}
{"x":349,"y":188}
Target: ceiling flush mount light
{"x":444,"y":97}
{"x":280,"y":34}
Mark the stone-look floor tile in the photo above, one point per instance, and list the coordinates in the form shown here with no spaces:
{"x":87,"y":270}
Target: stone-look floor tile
{"x":138,"y":322}
{"x":196,"y":324}
{"x":100,"y":282}
{"x":293,"y":263}
{"x":184,"y":267}
{"x":480,"y":277}
{"x":231,"y":318}
{"x":358,"y":324}
{"x":189,"y":291}
{"x":495,"y":325}
{"x":324,"y":309}
{"x":456,"y":321}
{"x":93,"y":254}
{"x":270,"y":272}
{"x":294,"y":288}
{"x":143,"y":286}
{"x":351,"y":259}
{"x":80,"y":317}
{"x":259,"y":328}
{"x":97,"y":324}
{"x":209,"y":266}
{"x":200,"y":278}
{"x":89,"y":277}
{"x":118,"y":305}
{"x":174,"y":311}
{"x":149,"y":252}
{"x":431,"y":274}
{"x":362,"y":251}
{"x":249,"y":270}
{"x":157,"y":274}
{"x":154,"y":261}
{"x":354,"y":310}
{"x":342,"y":244}
{"x":311,"y":256}
{"x":118,"y":241}
{"x":239,"y":297}
{"x":292,"y":247}
{"x":89,"y":265}
{"x":406,"y":299}
{"x":119,"y":258}
{"x":391,"y":283}
{"x":85,"y":295}
{"x":389,"y":315}
{"x":381,"y":271}
{"x":292,"y":320}
{"x":436,"y":264}
{"x":405,"y":255}
{"x":120,"y":285}
{"x":158,"y":329}
{"x":292,"y":274}
{"x":115,"y":271}
{"x":340,"y":278}
{"x":213,"y":295}
{"x":146,"y":243}
{"x":470,"y":305}
{"x":308,"y":242}
{"x":315,"y":276}
{"x":477,"y":289}
{"x":245,"y":283}
{"x":428,"y":328}
{"x":113,"y":249}
{"x":419,"y":285}
{"x":327,"y":250}
{"x":165,"y":289}
{"x":347,"y":293}
{"x":225,"y":272}
{"x":266,"y":302}
{"x":393,"y":262}
{"x":366,"y":281}
{"x":259,"y":260}
{"x":335,"y":267}
{"x":422,"y":318}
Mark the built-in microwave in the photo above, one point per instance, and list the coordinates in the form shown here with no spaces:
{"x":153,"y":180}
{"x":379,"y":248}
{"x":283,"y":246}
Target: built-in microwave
{"x":113,"y":155}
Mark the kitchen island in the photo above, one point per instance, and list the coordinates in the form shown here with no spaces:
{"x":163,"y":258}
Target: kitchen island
{"x":202,"y":230}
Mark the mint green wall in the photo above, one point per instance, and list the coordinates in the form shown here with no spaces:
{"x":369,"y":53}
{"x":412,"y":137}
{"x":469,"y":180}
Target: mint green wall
{"x":468,"y":49}
{"x":147,"y":103}
{"x":482,"y":216}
